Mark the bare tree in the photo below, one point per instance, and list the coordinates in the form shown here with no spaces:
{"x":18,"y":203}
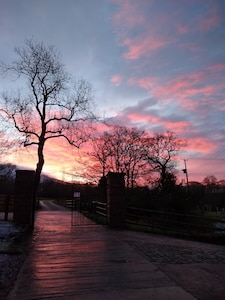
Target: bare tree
{"x":7,"y":140}
{"x":161,"y":151}
{"x":101,"y":151}
{"x":210,"y":182}
{"x":127,"y":151}
{"x":52,"y":106}
{"x":5,"y":145}
{"x":120,"y":150}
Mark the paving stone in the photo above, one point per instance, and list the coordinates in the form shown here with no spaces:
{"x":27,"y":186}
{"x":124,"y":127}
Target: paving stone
{"x":159,"y":253}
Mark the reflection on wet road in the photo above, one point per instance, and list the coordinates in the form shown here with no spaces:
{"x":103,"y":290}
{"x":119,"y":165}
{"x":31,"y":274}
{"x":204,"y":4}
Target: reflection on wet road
{"x":50,"y":205}
{"x":94,"y":262}
{"x":72,"y":261}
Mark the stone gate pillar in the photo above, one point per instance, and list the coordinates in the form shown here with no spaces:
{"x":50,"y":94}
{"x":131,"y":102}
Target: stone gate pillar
{"x":116,"y":203}
{"x":23,"y":202}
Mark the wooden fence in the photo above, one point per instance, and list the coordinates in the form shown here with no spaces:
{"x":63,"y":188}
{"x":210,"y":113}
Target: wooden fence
{"x":6,"y":206}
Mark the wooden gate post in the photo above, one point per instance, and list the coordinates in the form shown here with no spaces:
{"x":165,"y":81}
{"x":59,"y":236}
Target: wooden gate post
{"x":116,"y":204}
{"x":23,"y":202}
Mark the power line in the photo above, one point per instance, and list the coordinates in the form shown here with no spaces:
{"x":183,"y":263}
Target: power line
{"x":198,"y":158}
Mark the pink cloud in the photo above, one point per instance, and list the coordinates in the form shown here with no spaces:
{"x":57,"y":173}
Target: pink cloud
{"x":116,"y":80}
{"x":127,"y":13}
{"x":210,"y":21}
{"x":144,"y":82}
{"x":190,"y":47}
{"x":183,"y":89}
{"x":199,"y":169}
{"x":175,"y":126}
{"x":138,"y":47}
{"x":176,"y":89}
{"x":186,"y":86}
{"x":182,"y":29}
{"x":216,"y":68}
{"x":200,"y":144}
{"x":136,"y":117}
{"x":131,"y":15}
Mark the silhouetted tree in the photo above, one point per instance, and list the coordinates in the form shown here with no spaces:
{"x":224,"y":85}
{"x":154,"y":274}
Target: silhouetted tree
{"x":161,"y":150}
{"x":7,"y":141}
{"x":52,"y":106}
{"x":7,"y":177}
{"x":101,"y":151}
{"x":3,"y":143}
{"x":120,"y":150}
{"x":210,"y":181}
{"x":169,"y":182}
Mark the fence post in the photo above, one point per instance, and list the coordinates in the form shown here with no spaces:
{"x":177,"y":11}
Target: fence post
{"x":6,"y":207}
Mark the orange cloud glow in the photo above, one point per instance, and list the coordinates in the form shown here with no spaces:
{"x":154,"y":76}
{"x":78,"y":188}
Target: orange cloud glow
{"x":60,"y":158}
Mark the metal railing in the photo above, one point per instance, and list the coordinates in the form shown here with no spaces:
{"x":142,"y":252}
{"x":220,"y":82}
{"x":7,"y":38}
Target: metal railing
{"x":183,"y":225}
{"x":99,"y":208}
{"x":175,"y":223}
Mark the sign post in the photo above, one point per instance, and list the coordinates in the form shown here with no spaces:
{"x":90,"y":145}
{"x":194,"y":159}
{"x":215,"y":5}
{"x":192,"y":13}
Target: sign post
{"x":76,"y":205}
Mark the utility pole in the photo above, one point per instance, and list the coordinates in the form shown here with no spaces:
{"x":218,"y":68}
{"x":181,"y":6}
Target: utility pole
{"x":186,"y":173}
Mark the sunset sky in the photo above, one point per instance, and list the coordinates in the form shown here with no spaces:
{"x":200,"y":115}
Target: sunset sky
{"x":155,"y":64}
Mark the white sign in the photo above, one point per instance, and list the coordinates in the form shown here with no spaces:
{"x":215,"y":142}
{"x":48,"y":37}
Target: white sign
{"x":76,"y":195}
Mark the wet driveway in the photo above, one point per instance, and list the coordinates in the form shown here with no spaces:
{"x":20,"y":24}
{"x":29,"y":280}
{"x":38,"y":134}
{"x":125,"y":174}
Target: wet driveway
{"x":89,"y":261}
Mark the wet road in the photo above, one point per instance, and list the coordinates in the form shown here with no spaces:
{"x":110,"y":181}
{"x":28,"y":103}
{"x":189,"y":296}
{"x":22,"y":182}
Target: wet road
{"x":93,"y":262}
{"x":50,"y":205}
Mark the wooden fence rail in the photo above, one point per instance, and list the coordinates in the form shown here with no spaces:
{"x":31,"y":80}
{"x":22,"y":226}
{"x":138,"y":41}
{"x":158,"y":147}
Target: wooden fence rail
{"x":6,"y":205}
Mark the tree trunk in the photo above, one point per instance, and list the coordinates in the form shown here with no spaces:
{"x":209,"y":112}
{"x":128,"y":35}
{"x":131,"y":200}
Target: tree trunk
{"x":39,"y":167}
{"x":163,"y":176}
{"x":37,"y":179}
